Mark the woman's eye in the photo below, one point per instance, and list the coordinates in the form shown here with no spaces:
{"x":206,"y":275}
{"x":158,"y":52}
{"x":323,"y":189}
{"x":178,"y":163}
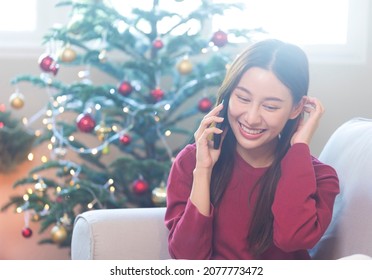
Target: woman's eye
{"x":271,"y":107}
{"x":244,"y":99}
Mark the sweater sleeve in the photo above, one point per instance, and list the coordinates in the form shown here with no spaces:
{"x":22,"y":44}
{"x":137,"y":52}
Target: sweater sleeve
{"x":190,"y":232}
{"x":304,"y":200}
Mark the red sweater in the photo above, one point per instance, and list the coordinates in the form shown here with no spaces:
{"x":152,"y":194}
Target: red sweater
{"x":302,"y":209}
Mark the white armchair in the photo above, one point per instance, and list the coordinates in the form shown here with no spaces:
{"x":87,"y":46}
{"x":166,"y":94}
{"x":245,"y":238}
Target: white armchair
{"x":140,"y":233}
{"x":349,"y":151}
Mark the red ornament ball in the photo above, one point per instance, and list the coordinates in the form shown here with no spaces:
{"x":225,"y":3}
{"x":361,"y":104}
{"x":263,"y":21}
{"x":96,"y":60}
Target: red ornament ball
{"x":85,"y":122}
{"x":48,"y":64}
{"x":125,"y":88}
{"x":45,"y":62}
{"x":219,"y":38}
{"x":158,"y":44}
{"x":140,"y":186}
{"x":157,"y":94}
{"x":205,"y":105}
{"x":26,"y":232}
{"x":125,"y":139}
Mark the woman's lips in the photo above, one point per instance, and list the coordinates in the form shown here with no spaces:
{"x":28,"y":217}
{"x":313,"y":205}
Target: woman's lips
{"x":250,"y":133}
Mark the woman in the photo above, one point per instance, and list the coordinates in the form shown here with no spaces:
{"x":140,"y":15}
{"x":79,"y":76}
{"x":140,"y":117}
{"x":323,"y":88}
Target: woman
{"x":260,"y":194}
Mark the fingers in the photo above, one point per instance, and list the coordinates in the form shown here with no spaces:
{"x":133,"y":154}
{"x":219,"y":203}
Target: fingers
{"x":206,"y":134}
{"x":206,"y":126}
{"x":313,"y":105}
{"x":314,"y":108}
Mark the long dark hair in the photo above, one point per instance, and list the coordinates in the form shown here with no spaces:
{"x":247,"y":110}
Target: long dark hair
{"x":290,"y":65}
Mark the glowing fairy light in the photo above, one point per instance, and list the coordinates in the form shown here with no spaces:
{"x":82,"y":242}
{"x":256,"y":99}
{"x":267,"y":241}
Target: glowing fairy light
{"x":30,"y":156}
{"x":37,"y":133}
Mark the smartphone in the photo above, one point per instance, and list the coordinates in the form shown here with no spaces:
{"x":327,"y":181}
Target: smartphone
{"x":221,"y":125}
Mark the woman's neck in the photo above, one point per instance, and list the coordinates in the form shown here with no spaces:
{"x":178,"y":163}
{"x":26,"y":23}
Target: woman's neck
{"x":259,"y":157}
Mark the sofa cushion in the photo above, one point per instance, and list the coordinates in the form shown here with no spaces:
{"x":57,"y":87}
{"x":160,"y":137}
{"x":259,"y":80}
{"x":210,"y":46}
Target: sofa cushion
{"x":349,"y":151}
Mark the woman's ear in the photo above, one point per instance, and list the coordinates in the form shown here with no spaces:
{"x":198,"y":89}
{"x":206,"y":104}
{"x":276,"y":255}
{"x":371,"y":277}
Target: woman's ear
{"x":298,"y":108}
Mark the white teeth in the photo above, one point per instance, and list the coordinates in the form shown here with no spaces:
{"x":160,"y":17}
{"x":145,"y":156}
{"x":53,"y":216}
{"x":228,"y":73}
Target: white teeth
{"x":251,"y":131}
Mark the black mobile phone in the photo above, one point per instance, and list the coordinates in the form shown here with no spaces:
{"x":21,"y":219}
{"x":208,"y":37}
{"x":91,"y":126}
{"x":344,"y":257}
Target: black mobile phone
{"x":221,"y":125}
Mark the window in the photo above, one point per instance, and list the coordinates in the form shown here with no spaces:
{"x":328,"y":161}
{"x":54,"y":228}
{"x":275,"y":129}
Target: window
{"x":305,"y":22}
{"x":14,"y":19}
{"x":329,"y":31}
{"x":24,"y":23}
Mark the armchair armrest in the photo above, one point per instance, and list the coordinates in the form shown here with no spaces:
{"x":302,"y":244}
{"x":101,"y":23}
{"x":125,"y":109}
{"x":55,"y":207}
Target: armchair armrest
{"x":130,"y":233}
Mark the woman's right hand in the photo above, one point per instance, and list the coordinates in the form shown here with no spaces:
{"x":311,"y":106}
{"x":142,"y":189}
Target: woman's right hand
{"x":206,"y":155}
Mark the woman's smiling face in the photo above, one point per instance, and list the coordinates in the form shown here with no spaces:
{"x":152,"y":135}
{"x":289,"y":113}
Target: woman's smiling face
{"x":259,"y":108}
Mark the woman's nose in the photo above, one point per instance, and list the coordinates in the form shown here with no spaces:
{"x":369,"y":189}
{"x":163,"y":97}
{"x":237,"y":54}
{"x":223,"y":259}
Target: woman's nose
{"x":252,"y":116}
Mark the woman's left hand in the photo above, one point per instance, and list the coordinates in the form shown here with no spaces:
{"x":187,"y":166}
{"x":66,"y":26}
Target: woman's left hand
{"x":309,"y":123}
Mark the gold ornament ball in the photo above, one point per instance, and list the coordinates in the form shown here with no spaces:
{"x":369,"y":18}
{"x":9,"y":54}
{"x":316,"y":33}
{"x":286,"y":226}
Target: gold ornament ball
{"x":17,"y":100}
{"x":68,"y":55}
{"x":159,"y":196}
{"x":102,"y":131}
{"x":58,"y":234}
{"x":185,"y":67}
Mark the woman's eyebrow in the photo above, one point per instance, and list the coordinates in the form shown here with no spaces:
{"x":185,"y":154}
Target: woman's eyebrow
{"x":243,"y":89}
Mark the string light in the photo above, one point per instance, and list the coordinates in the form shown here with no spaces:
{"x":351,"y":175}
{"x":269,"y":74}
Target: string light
{"x":30,"y":156}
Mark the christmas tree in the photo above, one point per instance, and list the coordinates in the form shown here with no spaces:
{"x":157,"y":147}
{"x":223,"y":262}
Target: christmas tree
{"x":112,"y":144}
{"x":15,"y":140}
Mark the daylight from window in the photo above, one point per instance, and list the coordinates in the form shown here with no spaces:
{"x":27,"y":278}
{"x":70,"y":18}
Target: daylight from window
{"x":304,"y":22}
{"x":18,"y":15}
